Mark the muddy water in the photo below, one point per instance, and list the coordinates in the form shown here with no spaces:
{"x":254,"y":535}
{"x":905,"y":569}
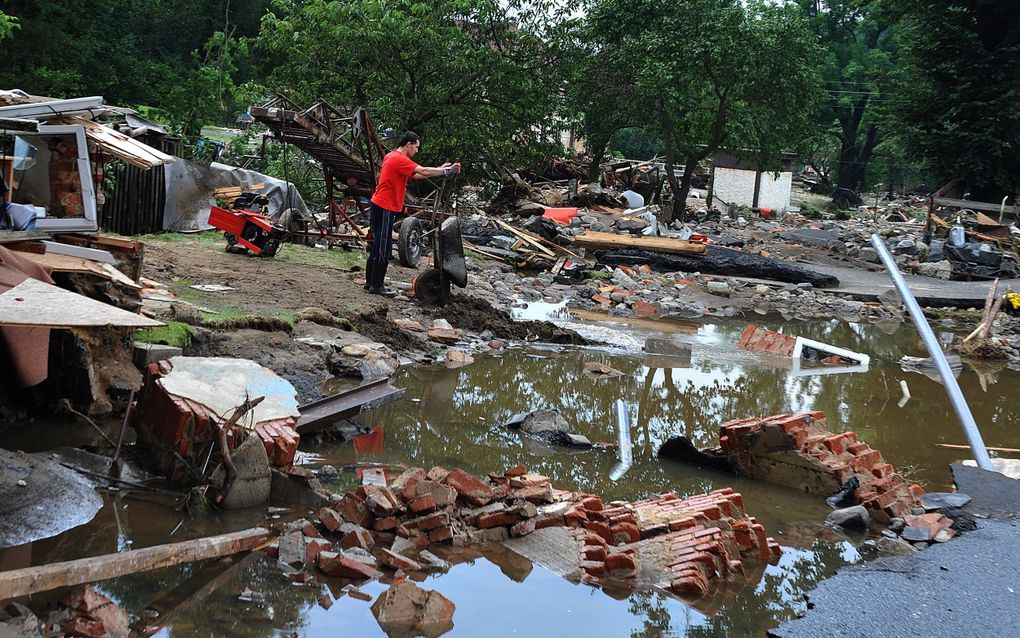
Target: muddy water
{"x":453,"y":417}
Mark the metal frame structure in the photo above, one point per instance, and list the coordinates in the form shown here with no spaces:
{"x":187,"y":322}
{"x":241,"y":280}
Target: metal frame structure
{"x":351,"y":154}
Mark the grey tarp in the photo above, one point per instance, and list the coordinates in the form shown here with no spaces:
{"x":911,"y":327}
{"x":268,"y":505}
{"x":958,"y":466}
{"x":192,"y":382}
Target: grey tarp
{"x":190,"y":185}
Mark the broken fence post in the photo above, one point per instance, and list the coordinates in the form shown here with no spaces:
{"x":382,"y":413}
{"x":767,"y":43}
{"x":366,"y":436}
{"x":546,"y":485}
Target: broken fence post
{"x":970,"y":428}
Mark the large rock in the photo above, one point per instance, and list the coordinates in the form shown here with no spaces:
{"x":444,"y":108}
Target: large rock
{"x":546,"y":424}
{"x":254,"y":478}
{"x":667,"y":347}
{"x":376,"y":365}
{"x":855,"y":517}
{"x":408,"y":609}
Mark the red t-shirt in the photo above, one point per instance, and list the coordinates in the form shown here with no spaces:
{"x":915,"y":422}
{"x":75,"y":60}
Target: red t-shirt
{"x":397,"y":168}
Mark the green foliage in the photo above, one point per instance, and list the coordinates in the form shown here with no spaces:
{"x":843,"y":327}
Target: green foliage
{"x":636,"y":143}
{"x":857,"y":67}
{"x":960,"y":97}
{"x":8,"y":25}
{"x":475,"y":78}
{"x":127,"y":51}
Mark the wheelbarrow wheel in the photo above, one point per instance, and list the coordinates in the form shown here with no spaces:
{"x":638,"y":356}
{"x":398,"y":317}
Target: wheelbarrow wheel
{"x":410,"y":242}
{"x":432,"y":288}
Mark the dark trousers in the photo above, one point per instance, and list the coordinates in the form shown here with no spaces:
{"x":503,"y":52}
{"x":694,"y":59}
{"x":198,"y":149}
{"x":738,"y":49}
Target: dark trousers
{"x":381,"y":223}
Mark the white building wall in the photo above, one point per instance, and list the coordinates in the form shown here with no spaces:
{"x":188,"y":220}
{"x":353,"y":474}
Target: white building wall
{"x":736,"y":186}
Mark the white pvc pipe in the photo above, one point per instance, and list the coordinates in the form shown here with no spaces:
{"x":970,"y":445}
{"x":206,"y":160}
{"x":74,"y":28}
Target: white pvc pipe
{"x":970,"y":428}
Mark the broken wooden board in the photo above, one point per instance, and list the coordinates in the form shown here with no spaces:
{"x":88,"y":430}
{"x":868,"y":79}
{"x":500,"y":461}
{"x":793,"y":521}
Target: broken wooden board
{"x":602,"y":241}
{"x":119,"y":145}
{"x":31,"y":580}
{"x":67,"y":263}
{"x":34,"y":303}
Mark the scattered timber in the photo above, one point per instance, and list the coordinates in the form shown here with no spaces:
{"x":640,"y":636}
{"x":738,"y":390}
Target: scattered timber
{"x":609,"y":241}
{"x":721,"y":261}
{"x":956,"y":446}
{"x":31,"y":580}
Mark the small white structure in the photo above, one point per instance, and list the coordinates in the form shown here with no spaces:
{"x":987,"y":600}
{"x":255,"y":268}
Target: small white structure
{"x":736,"y":181}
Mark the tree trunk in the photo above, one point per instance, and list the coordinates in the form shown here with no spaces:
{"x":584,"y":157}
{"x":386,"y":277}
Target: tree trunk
{"x":598,"y":151}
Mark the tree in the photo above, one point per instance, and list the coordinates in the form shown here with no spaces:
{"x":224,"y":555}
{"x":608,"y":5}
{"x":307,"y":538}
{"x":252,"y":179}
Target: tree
{"x":857,"y":65}
{"x":131,"y":53}
{"x":8,"y":24}
{"x":475,"y":78}
{"x":959,"y":105}
{"x":714,"y":76}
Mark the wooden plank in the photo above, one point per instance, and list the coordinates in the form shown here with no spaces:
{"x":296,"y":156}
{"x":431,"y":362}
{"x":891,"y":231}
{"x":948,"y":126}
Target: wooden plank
{"x":527,"y":237}
{"x":955,"y":446}
{"x":66,"y":263}
{"x":8,"y":236}
{"x":34,"y":303}
{"x":31,"y":580}
{"x":520,"y":232}
{"x":602,"y":241}
{"x":972,"y":205}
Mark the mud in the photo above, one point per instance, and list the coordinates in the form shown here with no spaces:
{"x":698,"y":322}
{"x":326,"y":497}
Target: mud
{"x":303,"y":365}
{"x":472,"y":313}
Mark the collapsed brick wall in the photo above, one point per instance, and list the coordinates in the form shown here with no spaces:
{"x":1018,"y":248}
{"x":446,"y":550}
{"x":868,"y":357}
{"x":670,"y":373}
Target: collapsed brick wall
{"x":170,"y":425}
{"x":706,"y":539}
{"x":763,"y":340}
{"x":798,"y":450}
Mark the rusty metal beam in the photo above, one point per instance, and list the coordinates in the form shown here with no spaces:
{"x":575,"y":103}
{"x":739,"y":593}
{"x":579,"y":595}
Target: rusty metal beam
{"x":318,"y":414}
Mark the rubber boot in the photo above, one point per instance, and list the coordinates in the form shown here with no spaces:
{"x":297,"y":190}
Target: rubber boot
{"x":369,"y":267}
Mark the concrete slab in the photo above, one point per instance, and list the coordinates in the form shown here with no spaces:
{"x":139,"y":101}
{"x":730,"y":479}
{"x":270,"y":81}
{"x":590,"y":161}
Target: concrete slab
{"x":41,"y":498}
{"x":992,"y":494}
{"x":865,"y":285}
{"x":966,"y":587}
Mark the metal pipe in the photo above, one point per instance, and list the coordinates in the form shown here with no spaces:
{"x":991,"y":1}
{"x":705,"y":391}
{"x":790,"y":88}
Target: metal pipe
{"x":970,"y":428}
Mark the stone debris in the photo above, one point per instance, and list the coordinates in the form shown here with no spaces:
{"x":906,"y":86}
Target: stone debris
{"x":85,"y":613}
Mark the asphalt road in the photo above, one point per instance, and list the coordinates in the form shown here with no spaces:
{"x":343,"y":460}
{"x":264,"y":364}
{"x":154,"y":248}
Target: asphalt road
{"x":967,"y":587}
{"x":865,"y":285}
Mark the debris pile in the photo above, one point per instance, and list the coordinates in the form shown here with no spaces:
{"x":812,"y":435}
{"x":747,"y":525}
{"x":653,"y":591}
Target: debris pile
{"x":707,"y":538}
{"x":797,"y":450}
{"x":689,"y":544}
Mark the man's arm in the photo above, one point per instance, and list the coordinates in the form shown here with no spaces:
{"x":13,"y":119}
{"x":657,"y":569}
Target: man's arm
{"x":424,"y":172}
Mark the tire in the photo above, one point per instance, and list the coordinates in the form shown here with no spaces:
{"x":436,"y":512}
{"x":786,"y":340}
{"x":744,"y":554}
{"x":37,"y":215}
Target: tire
{"x":410,"y":242}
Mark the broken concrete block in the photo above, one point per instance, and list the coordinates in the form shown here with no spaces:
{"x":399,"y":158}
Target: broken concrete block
{"x":253,"y":481}
{"x":667,"y":347}
{"x":145,"y":353}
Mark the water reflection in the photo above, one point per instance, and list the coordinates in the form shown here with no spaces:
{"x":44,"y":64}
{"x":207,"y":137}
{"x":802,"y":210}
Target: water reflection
{"x":452,"y":418}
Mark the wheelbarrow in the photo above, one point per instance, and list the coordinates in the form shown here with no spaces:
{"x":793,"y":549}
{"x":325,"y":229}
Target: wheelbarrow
{"x":432,"y":287}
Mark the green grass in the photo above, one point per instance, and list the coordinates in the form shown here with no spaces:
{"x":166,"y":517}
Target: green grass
{"x":337,"y":258}
{"x":174,"y":333}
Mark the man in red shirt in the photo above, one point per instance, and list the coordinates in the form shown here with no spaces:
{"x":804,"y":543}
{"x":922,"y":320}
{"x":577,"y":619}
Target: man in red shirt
{"x":388,"y":201}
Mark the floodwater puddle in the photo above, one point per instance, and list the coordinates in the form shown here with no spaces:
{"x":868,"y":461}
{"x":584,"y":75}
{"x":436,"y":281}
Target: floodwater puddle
{"x":453,"y":417}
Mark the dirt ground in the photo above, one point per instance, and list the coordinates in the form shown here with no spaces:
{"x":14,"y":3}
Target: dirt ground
{"x":301,"y":277}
